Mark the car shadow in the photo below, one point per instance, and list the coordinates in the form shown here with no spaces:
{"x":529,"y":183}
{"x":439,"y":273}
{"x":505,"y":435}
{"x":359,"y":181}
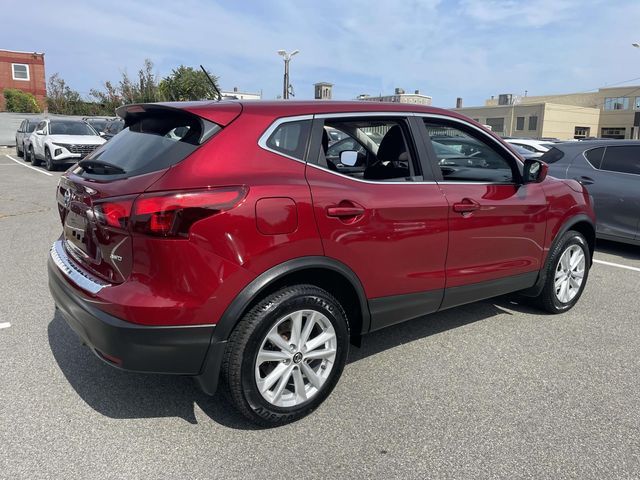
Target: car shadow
{"x":625,"y":250}
{"x":123,"y":395}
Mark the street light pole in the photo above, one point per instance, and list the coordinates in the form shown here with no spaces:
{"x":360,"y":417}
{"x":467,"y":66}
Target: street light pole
{"x":286,"y":87}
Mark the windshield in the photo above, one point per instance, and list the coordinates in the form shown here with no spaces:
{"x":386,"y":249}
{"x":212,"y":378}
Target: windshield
{"x":70,"y":127}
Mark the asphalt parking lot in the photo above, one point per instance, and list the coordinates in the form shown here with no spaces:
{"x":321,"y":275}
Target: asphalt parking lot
{"x":490,"y":390}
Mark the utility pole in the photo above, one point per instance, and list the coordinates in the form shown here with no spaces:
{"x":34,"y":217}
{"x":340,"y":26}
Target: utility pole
{"x":287,"y":89}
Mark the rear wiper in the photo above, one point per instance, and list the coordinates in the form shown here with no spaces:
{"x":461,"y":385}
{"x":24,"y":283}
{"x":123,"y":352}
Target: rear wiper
{"x":92,"y":165}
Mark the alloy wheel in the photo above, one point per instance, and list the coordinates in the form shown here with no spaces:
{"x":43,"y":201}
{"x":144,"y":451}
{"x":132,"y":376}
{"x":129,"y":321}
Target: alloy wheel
{"x":295,"y":358}
{"x":569,"y":273}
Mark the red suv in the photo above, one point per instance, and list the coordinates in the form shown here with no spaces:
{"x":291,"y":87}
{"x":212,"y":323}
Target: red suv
{"x":228,"y":241}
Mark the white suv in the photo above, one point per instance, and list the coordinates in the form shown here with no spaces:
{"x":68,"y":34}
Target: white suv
{"x":62,"y":141}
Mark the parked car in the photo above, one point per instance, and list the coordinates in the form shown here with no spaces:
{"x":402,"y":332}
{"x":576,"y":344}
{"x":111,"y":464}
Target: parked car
{"x":60,"y":141}
{"x":525,"y":153}
{"x":112,"y":128}
{"x":611,"y":171}
{"x":98,"y":123}
{"x":537,"y":146}
{"x":27,"y":126}
{"x":233,"y":252}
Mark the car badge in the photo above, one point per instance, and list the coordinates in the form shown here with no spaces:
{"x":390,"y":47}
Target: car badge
{"x":67,"y":198}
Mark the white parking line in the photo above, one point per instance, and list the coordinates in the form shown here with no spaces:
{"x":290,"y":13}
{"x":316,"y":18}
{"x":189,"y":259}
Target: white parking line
{"x":28,"y":166}
{"x":4,"y":325}
{"x":627,"y":267}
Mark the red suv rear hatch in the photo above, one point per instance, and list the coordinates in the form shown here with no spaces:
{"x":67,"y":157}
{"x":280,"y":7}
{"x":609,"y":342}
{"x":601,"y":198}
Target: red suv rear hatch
{"x":95,"y":197}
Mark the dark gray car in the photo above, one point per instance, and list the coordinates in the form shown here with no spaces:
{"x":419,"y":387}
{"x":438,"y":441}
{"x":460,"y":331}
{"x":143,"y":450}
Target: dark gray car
{"x":611,"y":171}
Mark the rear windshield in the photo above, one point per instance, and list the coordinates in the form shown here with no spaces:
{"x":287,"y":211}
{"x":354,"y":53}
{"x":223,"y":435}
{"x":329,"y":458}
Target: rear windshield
{"x":552,"y":156}
{"x":151,"y":142}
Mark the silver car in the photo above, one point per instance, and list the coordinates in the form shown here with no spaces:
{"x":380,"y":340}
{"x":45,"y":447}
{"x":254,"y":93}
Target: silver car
{"x":25,"y":129}
{"x":610,"y":169}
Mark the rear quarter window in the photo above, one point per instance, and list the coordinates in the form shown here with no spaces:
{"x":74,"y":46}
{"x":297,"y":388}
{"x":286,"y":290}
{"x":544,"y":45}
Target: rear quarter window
{"x":552,"y":156}
{"x":290,"y":138}
{"x":594,"y":156}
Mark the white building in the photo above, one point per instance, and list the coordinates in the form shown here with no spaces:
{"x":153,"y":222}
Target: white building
{"x":238,"y":95}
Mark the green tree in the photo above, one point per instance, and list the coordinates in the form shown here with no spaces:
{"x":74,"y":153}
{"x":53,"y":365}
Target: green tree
{"x":144,"y":89}
{"x":107,"y":100}
{"x":186,"y":83}
{"x":19,"y":101}
{"x":61,"y":98}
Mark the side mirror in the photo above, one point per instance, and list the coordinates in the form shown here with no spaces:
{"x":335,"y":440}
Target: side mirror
{"x":39,"y":132}
{"x":534,"y":171}
{"x":349,"y":158}
{"x":102,"y":134}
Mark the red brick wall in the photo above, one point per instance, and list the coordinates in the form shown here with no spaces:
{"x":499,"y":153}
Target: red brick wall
{"x":36,"y":85}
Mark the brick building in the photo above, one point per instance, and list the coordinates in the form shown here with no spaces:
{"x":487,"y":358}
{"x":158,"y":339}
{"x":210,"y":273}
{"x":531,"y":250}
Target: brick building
{"x":24,"y":71}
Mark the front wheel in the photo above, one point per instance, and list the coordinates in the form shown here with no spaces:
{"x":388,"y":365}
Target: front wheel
{"x":32,"y":155}
{"x":19,"y":152}
{"x":48,"y":161}
{"x":566,"y":273}
{"x":286,"y":355}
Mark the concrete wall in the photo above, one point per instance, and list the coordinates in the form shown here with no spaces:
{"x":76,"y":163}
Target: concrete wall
{"x":509,"y":113}
{"x":9,"y":123}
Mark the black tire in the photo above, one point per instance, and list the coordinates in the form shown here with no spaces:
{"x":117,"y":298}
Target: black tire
{"x":48,"y":161}
{"x":548,"y":298}
{"x":25,"y":154}
{"x":239,"y":362}
{"x":32,"y":155}
{"x":19,"y":152}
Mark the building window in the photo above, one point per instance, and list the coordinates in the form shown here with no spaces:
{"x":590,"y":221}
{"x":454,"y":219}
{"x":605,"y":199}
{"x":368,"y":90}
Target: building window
{"x":519,"y":123}
{"x":533,"y":122}
{"x":616,"y":132}
{"x":496,"y":124}
{"x":20,"y":71}
{"x":581,"y":132}
{"x":616,"y":103}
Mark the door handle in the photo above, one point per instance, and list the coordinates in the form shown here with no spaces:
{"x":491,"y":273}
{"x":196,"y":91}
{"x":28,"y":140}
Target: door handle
{"x":466,"y":205}
{"x":585,"y":180}
{"x":344,"y":211}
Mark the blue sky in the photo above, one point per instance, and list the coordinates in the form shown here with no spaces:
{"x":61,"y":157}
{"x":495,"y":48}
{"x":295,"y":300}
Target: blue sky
{"x":444,"y":48}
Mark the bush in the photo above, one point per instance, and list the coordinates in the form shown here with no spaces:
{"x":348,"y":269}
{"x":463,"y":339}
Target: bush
{"x":20,"y":102}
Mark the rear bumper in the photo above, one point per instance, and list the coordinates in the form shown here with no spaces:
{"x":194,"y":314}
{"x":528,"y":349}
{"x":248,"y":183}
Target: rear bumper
{"x":154,"y":349}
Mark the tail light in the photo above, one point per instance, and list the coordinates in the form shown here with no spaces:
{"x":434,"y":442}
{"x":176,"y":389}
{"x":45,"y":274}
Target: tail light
{"x":167,"y":214}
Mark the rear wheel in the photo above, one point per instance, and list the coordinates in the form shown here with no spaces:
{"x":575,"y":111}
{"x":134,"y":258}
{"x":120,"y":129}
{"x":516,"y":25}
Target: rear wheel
{"x":32,"y":156}
{"x":48,"y":161}
{"x":286,"y":355}
{"x":566,"y":273}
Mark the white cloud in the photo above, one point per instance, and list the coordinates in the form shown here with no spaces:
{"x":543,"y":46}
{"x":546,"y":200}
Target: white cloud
{"x":468,"y":48}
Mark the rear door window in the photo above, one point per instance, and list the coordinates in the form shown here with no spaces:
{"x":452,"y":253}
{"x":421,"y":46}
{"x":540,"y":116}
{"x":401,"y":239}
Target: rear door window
{"x":151,"y":141}
{"x":623,"y":159}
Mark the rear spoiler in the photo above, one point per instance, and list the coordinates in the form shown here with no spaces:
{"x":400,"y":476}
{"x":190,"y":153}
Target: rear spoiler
{"x":221,"y":113}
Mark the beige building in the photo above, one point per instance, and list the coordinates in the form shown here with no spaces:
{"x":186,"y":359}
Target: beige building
{"x":607,"y":113}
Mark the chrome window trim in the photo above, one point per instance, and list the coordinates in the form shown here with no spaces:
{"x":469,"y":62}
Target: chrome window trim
{"x":74,"y":273}
{"x":262,"y":141}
